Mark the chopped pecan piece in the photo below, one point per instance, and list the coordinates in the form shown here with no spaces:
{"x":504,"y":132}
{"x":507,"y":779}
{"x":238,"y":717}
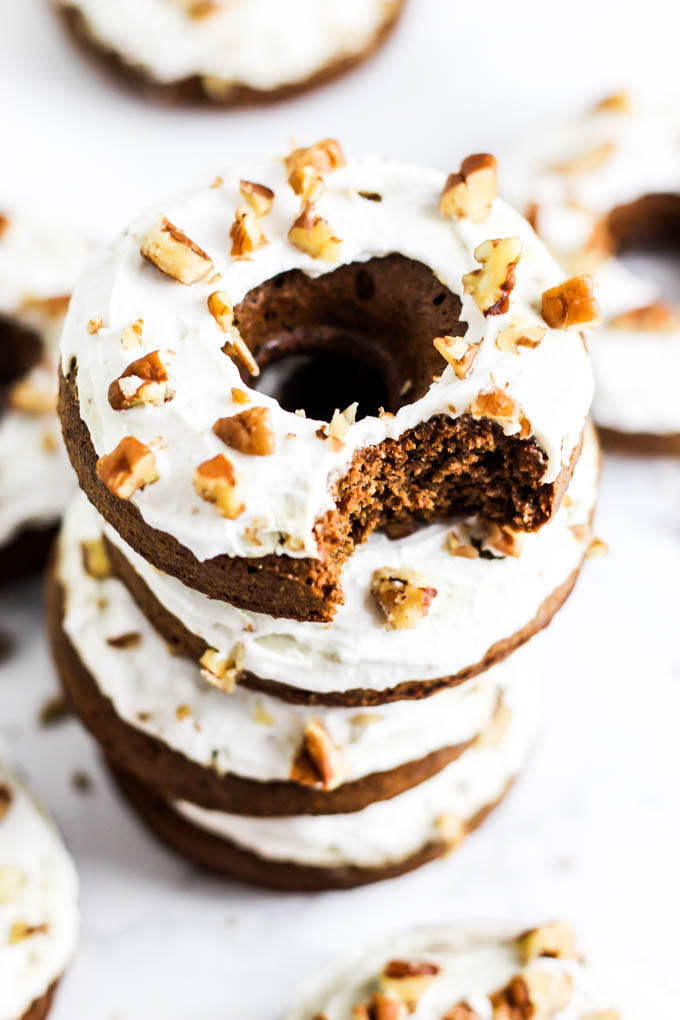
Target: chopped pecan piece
{"x":130,"y":639}
{"x":215,"y":481}
{"x":305,"y":167}
{"x":96,"y":562}
{"x":519,"y":333}
{"x":571,"y":303}
{"x":469,"y":194}
{"x":556,"y":939}
{"x":223,"y":672}
{"x":404,"y":597}
{"x":129,"y":467}
{"x":379,"y":1007}
{"x":132,"y":335}
{"x":248,"y":432}
{"x":655,"y":318}
{"x":492,"y":285}
{"x":312,"y":235}
{"x":21,"y":930}
{"x":499,"y":406}
{"x":94,"y":325}
{"x":533,"y":994}
{"x":461,"y":1011}
{"x":223,"y":314}
{"x":336,"y":430}
{"x":259,"y":197}
{"x":407,"y":980}
{"x":458,"y":352}
{"x":144,"y":381}
{"x":5,"y":799}
{"x":318,"y":762}
{"x":239,"y":396}
{"x":246,"y":233}
{"x":175,"y":254}
{"x":585,"y":163}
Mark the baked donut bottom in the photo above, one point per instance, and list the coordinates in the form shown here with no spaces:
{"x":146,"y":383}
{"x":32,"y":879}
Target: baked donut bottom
{"x":501,"y":481}
{"x":224,"y":857}
{"x":192,"y":91}
{"x":173,"y":776}
{"x":644,"y":444}
{"x":26,"y":552}
{"x":39,"y":1009}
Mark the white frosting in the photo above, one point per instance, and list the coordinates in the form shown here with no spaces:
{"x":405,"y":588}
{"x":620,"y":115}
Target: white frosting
{"x":246,"y":733}
{"x":475,"y":960}
{"x":35,"y":864}
{"x":635,"y":371}
{"x":287,"y":492}
{"x":262,"y":44}
{"x":35,"y":478}
{"x":392,"y":830}
{"x":479,"y":602}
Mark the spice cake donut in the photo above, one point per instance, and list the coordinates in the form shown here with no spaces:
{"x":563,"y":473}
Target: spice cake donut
{"x":476,"y":593}
{"x":230,"y":52}
{"x":234,"y":749}
{"x":38,"y":905}
{"x":602,"y":187}
{"x":38,"y":267}
{"x":385,"y":839}
{"x":480,"y":971}
{"x":437,"y":299}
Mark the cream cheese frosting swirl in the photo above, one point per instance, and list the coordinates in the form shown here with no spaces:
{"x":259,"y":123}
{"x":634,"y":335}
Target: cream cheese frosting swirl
{"x":38,"y":266}
{"x":574,"y":176}
{"x":244,"y":733}
{"x":286,"y":493}
{"x":479,"y":602}
{"x":261,"y":44}
{"x":38,"y":901}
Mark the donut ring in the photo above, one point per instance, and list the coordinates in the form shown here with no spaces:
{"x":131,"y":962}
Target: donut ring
{"x":39,"y":925}
{"x":214,"y":481}
{"x":592,"y":198}
{"x":229,"y":54}
{"x":38,"y":267}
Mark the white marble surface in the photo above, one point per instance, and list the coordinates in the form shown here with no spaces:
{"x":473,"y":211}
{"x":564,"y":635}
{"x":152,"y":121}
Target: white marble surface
{"x":592,"y":832}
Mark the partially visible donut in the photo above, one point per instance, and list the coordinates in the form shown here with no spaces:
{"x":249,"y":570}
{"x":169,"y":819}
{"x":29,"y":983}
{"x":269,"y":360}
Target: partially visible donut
{"x":230,"y":52}
{"x":605,"y":185}
{"x":38,"y":904}
{"x":393,"y":270}
{"x":38,"y":267}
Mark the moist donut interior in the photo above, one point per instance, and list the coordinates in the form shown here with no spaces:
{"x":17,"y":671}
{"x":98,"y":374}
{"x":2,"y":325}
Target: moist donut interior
{"x":360,"y":333}
{"x":645,"y":234}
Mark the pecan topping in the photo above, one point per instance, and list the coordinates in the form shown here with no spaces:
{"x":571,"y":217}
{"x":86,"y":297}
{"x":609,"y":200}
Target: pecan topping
{"x":175,"y":254}
{"x":132,"y":335}
{"x":215,"y":482}
{"x":129,"y":467}
{"x":259,"y":197}
{"x":458,"y":352}
{"x":5,"y":799}
{"x":223,"y":672}
{"x":306,"y":167}
{"x":469,"y":194}
{"x":618,"y":102}
{"x":499,"y":406}
{"x":404,"y":597}
{"x":246,"y":233}
{"x":20,"y":931}
{"x":571,"y":303}
{"x":556,"y":939}
{"x":144,"y":381}
{"x":655,"y":318}
{"x":533,"y":994}
{"x":492,"y":285}
{"x":586,"y":163}
{"x":94,"y":325}
{"x":380,"y":1007}
{"x":131,"y":639}
{"x":461,"y":1011}
{"x":407,"y":980}
{"x":312,"y":235}
{"x":519,"y":333}
{"x":96,"y":562}
{"x":239,"y":396}
{"x":248,"y":432}
{"x":470,"y":538}
{"x":223,"y":314}
{"x":318,"y":762}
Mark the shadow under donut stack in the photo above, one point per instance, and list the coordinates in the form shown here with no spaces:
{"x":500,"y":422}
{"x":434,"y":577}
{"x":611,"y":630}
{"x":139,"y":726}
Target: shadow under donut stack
{"x":292,"y":634}
{"x":597,"y":190}
{"x":38,"y":267}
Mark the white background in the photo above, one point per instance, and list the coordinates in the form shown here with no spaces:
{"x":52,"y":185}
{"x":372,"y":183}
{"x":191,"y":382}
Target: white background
{"x":592,"y":830}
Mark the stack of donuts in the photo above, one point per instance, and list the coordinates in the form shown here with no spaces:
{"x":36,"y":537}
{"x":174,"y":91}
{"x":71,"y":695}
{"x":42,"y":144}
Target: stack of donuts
{"x":330,"y":419}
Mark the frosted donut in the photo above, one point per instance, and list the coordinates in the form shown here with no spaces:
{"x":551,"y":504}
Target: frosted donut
{"x":38,"y":905}
{"x":38,"y":267}
{"x":213,"y":480}
{"x":480,"y":971}
{"x":230,"y":51}
{"x":384,"y":839}
{"x":488,"y":601}
{"x":603,"y":185}
{"x":155,"y":714}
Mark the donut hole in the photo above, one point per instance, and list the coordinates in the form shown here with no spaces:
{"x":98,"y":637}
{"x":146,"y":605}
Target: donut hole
{"x":362,"y":332}
{"x":646,"y":237}
{"x":20,"y":350}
